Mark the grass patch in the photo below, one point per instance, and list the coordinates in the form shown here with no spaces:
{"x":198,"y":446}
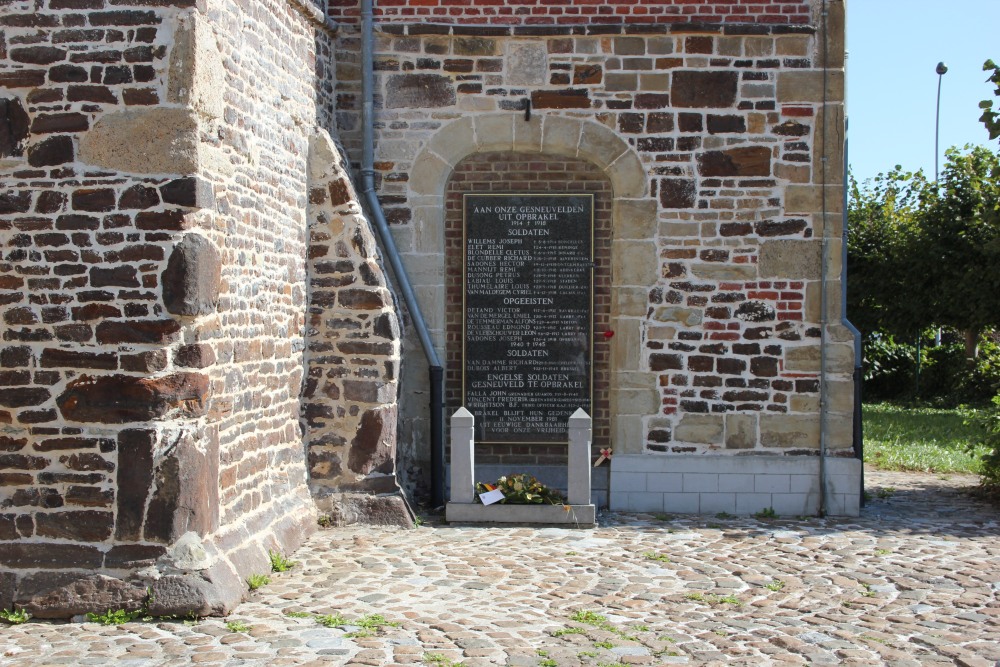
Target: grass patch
{"x":920,"y":439}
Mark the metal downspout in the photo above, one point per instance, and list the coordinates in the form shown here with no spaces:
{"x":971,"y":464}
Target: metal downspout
{"x":858,"y":377}
{"x":392,"y":253}
{"x":824,"y":299}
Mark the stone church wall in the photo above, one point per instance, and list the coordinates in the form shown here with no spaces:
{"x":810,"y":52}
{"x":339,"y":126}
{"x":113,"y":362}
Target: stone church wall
{"x":153,"y":294}
{"x":722,"y":134}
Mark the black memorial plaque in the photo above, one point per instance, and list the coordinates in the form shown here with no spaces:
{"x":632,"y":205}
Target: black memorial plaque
{"x":528,"y":311}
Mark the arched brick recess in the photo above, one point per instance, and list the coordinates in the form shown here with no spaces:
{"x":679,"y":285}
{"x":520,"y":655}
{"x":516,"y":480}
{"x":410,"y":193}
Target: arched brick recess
{"x":527,"y":172}
{"x":632,"y":233}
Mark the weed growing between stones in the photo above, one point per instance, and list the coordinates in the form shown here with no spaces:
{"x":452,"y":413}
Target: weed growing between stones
{"x":440,"y":660}
{"x":867,"y":592}
{"x":279,"y":563}
{"x":775,"y":585}
{"x":116,"y":617}
{"x":767,"y":513}
{"x":237,"y":626}
{"x":885,"y":493}
{"x":332,"y":620}
{"x":255,"y":581}
{"x":14,"y":616}
{"x":652,"y":555}
{"x":604,"y":644}
{"x":298,"y":614}
{"x":370,"y":625}
{"x":883,"y":552}
{"x":568,"y":631}
{"x":714,"y":599}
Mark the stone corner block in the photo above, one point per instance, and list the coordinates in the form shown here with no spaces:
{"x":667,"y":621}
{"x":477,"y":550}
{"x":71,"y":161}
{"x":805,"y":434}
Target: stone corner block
{"x":196,"y":76}
{"x":156,"y":140}
{"x":192,"y":280}
{"x":799,"y":260}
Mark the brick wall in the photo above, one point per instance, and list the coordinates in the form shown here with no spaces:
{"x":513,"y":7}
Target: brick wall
{"x":579,"y":12}
{"x":152,"y":290}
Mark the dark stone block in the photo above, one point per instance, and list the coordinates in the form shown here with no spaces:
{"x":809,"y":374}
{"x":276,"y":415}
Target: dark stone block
{"x":419,"y":91}
{"x":20,"y":397}
{"x":744,"y":161}
{"x":23,"y":78}
{"x":764,"y":366}
{"x":779,"y":227}
{"x":652,"y":101}
{"x":664,"y":362}
{"x":140,"y":331}
{"x":132,"y":556}
{"x":151,"y":361}
{"x":373,"y":448}
{"x":192,"y":279}
{"x":726,"y":124}
{"x":50,"y":556}
{"x":189,"y":191}
{"x":119,"y":276}
{"x":13,"y":127}
{"x":69,"y":74}
{"x":791,"y":129}
{"x":50,"y":202}
{"x":94,"y":593}
{"x":704,"y":89}
{"x":134,"y":480}
{"x":15,"y":357}
{"x":657,"y":122}
{"x":185,"y":492}
{"x":324,"y":464}
{"x":94,"y":199}
{"x":755,"y":311}
{"x":59,"y":122}
{"x":568,"y":98}
{"x":361,"y":299}
{"x":51,"y":152}
{"x":197,"y":355}
{"x":139,"y":197}
{"x":78,"y":222}
{"x":37,"y":55}
{"x":89,"y":496}
{"x":730,"y":366}
{"x":97,"y":94}
{"x":678,"y":193}
{"x":119,"y":399}
{"x":82,"y":526}
{"x":171,"y":221}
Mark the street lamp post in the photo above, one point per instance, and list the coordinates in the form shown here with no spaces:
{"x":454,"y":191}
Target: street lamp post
{"x":941,"y":70}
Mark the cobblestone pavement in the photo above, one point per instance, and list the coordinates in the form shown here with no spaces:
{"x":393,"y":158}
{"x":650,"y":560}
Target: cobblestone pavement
{"x":914,"y":581}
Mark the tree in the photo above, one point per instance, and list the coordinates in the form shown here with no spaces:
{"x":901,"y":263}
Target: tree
{"x":955,"y":255}
{"x":991,"y":118}
{"x":882,"y":225}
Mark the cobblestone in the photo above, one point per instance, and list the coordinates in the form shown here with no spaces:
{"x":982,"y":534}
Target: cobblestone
{"x":913,"y":581}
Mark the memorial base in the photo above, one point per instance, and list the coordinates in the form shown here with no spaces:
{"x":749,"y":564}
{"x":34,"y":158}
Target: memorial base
{"x":571,"y":516}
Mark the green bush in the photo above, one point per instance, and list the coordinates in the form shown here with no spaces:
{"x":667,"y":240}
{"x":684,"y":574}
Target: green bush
{"x":888,"y":368}
{"x":989,"y":474}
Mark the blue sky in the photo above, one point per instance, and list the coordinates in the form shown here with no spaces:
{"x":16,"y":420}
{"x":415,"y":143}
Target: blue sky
{"x":893,"y":47}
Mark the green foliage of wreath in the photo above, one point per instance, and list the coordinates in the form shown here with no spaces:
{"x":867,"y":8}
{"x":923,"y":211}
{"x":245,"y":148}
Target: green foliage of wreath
{"x":523,"y":489}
